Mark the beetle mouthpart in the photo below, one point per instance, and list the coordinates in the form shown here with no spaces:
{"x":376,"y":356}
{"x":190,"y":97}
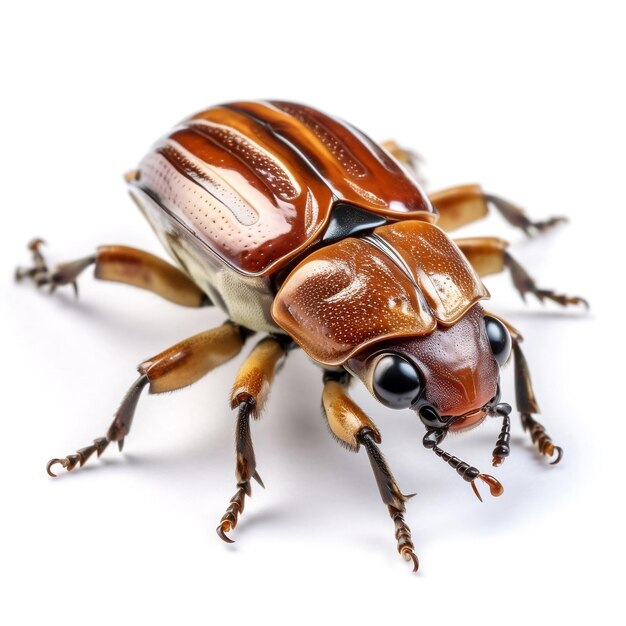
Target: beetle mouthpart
{"x":469,"y":420}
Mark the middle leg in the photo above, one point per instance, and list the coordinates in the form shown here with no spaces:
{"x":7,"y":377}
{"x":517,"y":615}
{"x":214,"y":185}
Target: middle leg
{"x":463,"y":204}
{"x":174,"y":368}
{"x":489,"y":255}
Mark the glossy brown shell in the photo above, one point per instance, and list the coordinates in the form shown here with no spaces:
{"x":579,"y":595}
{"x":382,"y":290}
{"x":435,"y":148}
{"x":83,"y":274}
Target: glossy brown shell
{"x":255,"y":182}
{"x":398,"y":282}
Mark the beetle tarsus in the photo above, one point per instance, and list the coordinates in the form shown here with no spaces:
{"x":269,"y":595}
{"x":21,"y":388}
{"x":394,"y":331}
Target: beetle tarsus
{"x":80,"y":457}
{"x":222,"y":529}
{"x":541,"y":439}
{"x":234,"y":510}
{"x":527,"y":405}
{"x":52,"y":463}
{"x":524,"y":284}
{"x":403,"y":537}
{"x":120,"y":427}
{"x":391,"y":495}
{"x":516,"y":216}
{"x":563,"y":300}
{"x":63,"y":274}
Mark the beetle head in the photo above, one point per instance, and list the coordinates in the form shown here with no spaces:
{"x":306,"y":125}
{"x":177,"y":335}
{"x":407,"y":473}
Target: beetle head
{"x":449,"y":377}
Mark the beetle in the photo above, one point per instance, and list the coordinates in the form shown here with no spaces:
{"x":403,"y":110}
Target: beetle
{"x":302,"y":228}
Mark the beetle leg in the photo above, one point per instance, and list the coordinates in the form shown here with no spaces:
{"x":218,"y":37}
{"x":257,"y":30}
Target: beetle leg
{"x":119,"y":264}
{"x":249,"y":395}
{"x":353,"y":428}
{"x":412,"y":160}
{"x":488,"y":255}
{"x":178,"y":366}
{"x":63,"y":274}
{"x":527,"y":405}
{"x":463,"y":204}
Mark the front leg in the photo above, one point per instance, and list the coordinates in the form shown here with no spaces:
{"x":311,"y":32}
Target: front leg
{"x":248,"y":396}
{"x":526,"y":400}
{"x":353,"y":428}
{"x":527,"y":406}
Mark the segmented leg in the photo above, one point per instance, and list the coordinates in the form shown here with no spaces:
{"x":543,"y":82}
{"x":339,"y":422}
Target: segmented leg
{"x":118,"y":264}
{"x":527,"y":405}
{"x":249,"y":395}
{"x":412,"y":160}
{"x":515,"y":216}
{"x":463,"y":204}
{"x":489,"y":255}
{"x":353,"y":428}
{"x":525,"y":284}
{"x":178,"y":366}
{"x":120,"y":427}
{"x":63,"y":274}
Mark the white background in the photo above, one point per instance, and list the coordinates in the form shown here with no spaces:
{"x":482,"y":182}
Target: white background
{"x":526,"y":99}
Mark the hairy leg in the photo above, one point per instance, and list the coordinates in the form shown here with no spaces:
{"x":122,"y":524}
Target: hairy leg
{"x":119,"y":264}
{"x":178,"y":366}
{"x":353,"y":428}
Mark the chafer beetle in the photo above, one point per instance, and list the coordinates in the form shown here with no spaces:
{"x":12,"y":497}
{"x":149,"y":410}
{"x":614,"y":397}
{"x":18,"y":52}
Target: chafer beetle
{"x":300,"y":227}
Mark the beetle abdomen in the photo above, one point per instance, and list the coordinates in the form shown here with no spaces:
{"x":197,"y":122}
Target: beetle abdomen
{"x":255,"y":182}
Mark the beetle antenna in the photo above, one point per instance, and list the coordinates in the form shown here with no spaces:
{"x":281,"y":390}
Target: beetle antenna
{"x":467,"y":472}
{"x":502,"y":449}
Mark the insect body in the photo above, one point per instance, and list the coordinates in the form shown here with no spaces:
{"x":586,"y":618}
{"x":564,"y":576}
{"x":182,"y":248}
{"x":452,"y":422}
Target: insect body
{"x":300,"y":227}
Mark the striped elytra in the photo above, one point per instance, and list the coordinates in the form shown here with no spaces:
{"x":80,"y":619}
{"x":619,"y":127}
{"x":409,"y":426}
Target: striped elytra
{"x":256,"y":182}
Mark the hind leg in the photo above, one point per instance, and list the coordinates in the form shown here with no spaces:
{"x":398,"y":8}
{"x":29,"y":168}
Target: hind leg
{"x":178,"y":366}
{"x":409,"y":158}
{"x":119,"y":264}
{"x":461,"y":205}
{"x":489,"y":255}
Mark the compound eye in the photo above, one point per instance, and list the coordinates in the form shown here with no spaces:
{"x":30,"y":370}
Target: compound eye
{"x":499,"y":339}
{"x":397,"y":384}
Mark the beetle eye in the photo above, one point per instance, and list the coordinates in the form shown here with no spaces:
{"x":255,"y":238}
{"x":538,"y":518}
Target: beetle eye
{"x":396,"y":382}
{"x":499,"y":339}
